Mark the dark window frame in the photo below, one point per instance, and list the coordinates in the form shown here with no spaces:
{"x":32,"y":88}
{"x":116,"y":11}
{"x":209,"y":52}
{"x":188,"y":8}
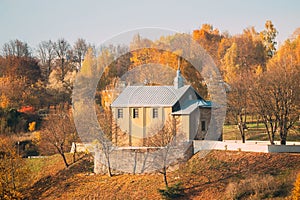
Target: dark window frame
{"x":135,"y":113}
{"x":155,"y":113}
{"x":120,"y":113}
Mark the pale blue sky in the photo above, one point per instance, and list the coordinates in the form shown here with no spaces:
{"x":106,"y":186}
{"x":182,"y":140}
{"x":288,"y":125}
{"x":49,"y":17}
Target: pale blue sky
{"x":36,"y":20}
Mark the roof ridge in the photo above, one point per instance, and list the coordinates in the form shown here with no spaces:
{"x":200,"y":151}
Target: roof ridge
{"x":143,"y":95}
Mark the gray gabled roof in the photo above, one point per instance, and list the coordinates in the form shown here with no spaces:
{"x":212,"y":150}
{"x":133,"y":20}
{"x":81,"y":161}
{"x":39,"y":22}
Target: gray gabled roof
{"x":143,"y":96}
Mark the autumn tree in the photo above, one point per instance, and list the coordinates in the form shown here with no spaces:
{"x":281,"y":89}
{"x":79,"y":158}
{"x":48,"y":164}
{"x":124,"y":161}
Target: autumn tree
{"x":60,"y":80}
{"x":18,"y":75}
{"x":295,"y":34}
{"x":238,"y":101}
{"x":46,"y":54}
{"x":104,"y":139}
{"x":117,"y":67}
{"x":246,"y":53}
{"x":57,"y":132}
{"x":263,"y":106}
{"x":230,"y":63}
{"x":16,"y":48}
{"x":240,"y":62}
{"x":269,"y":38}
{"x":62,"y":48}
{"x":86,"y":122}
{"x":149,"y":52}
{"x":209,"y":38}
{"x":277,"y":91}
{"x":21,"y":68}
{"x":166,"y":137}
{"x":296,"y":190}
{"x":59,"y":90}
{"x":237,"y":97}
{"x":80,"y":48}
{"x":12,"y":92}
{"x":13,"y":173}
{"x":283,"y":78}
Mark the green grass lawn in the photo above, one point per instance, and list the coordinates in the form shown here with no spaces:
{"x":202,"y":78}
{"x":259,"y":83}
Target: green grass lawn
{"x":256,"y":132}
{"x":48,"y":165}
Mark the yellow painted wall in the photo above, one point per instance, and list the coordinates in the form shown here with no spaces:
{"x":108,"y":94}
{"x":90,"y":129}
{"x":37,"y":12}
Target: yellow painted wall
{"x":185,"y":125}
{"x":143,"y":126}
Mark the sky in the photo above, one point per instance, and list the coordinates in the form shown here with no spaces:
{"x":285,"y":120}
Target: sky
{"x":33,"y":21}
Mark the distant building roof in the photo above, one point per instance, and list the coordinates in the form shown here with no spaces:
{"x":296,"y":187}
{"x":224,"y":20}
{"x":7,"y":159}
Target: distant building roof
{"x":143,"y":96}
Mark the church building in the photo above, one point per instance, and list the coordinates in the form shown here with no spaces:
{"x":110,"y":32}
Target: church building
{"x":138,"y":110}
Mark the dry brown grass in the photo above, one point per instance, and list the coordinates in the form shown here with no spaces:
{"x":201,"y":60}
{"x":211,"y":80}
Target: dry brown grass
{"x":258,"y":187}
{"x":212,"y":177}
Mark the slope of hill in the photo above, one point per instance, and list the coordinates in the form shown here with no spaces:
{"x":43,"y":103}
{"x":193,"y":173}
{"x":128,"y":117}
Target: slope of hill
{"x":219,"y":175}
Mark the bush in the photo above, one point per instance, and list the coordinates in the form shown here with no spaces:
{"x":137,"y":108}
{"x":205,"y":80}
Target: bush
{"x":172,"y":192}
{"x":257,"y":187}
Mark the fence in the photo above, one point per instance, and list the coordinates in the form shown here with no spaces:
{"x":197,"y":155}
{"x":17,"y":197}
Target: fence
{"x":249,"y":146}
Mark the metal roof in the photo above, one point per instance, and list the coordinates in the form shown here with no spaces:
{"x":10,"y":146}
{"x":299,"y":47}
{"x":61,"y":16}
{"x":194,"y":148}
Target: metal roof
{"x":143,"y":96}
{"x":204,"y":104}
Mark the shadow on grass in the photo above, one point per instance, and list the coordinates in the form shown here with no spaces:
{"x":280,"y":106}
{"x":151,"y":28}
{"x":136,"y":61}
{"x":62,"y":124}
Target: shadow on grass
{"x":39,"y":188}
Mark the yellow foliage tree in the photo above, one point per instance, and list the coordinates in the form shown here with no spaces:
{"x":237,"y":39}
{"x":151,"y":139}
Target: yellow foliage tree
{"x":230,"y":63}
{"x":13,"y":174}
{"x":4,"y":101}
{"x":36,"y":137}
{"x":31,"y":126}
{"x":88,"y":64}
{"x":296,"y":190}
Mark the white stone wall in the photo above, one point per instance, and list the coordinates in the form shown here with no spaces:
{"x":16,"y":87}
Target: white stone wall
{"x":249,"y":146}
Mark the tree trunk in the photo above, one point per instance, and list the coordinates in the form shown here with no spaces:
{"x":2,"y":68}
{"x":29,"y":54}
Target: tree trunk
{"x":282,"y":139}
{"x":243,"y":138}
{"x":242,"y":132}
{"x":109,"y":171}
{"x":65,"y":160}
{"x":165,"y":177}
{"x":270,"y":135}
{"x":60,"y":149}
{"x":108,"y":166}
{"x":283,"y":135}
{"x":271,"y":139}
{"x":62,"y":70}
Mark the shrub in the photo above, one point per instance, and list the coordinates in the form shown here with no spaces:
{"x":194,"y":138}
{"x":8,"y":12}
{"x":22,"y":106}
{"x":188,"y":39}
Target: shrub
{"x":172,"y":192}
{"x":258,"y":187}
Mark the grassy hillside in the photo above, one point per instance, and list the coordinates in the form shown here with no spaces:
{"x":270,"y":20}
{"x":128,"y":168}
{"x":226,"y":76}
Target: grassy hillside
{"x":219,"y":175}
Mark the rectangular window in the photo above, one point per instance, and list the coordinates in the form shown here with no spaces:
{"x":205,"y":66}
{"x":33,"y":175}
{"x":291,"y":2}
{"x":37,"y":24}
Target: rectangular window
{"x":155,"y":113}
{"x":135,"y":113}
{"x":203,"y":126}
{"x":120,"y":113}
